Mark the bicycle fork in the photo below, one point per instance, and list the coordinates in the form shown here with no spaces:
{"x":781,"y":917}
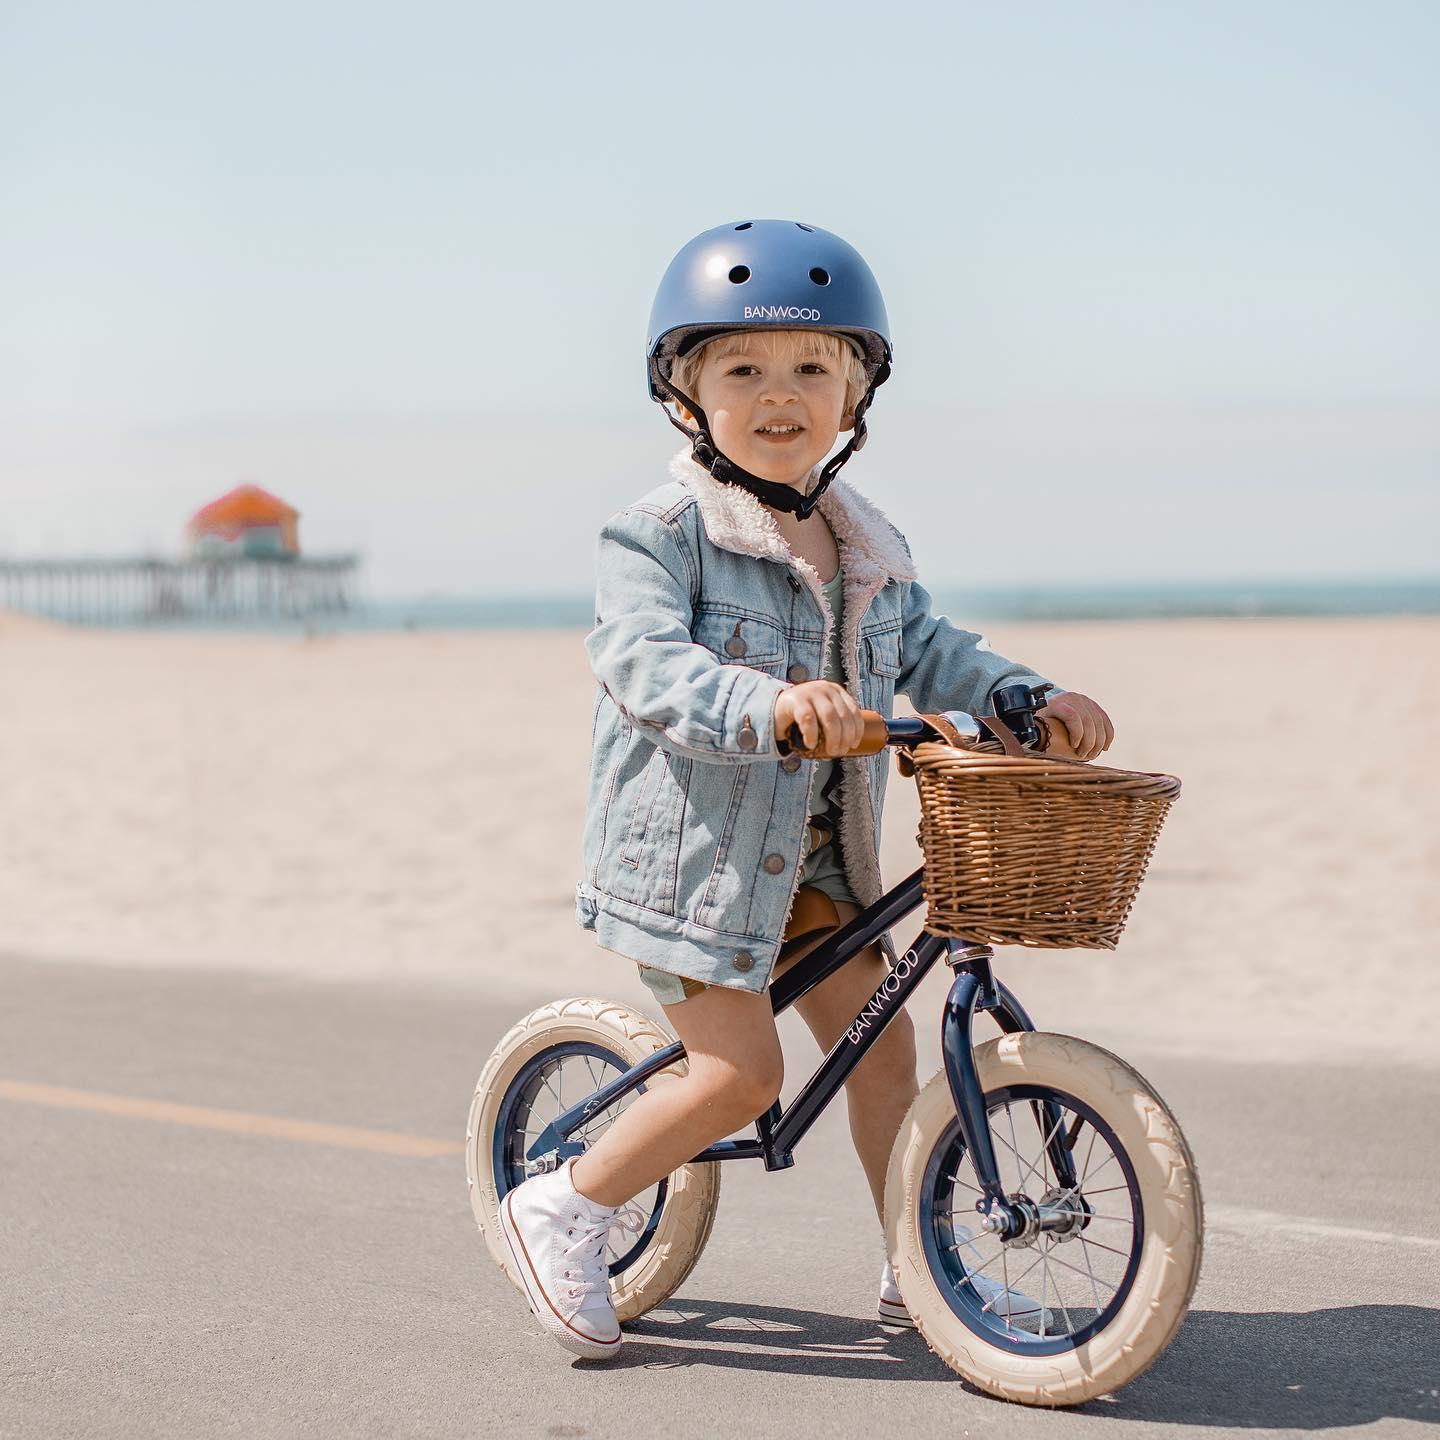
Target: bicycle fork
{"x":1017,"y":1217}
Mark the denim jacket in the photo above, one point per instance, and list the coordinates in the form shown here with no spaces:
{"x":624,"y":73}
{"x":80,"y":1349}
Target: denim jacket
{"x":703,"y":617}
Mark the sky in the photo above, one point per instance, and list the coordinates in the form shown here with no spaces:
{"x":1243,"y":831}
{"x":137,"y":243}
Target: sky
{"x":1162,"y":279}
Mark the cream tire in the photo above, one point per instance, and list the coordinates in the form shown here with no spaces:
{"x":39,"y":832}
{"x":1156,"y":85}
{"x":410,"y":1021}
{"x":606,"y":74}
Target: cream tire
{"x":692,"y":1192}
{"x":1170,"y":1250}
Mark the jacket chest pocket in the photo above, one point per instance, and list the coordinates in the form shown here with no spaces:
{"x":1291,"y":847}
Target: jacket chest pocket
{"x":739,"y":637}
{"x":883,"y":659}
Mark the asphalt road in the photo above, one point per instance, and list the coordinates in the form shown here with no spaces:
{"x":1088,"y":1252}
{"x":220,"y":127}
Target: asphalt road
{"x":261,"y":1263}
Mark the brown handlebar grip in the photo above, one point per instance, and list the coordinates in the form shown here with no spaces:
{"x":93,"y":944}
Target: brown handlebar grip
{"x":873,"y":740}
{"x":876,"y":736}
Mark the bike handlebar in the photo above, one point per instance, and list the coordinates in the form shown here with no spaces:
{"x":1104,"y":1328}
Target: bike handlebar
{"x":879,"y":732}
{"x":1015,"y":706}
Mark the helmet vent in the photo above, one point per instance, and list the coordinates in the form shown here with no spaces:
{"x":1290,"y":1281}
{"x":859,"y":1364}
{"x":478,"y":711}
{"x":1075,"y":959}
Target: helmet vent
{"x":810,"y":228}
{"x":820,"y":276}
{"x":740,"y":274}
{"x":746,"y":225}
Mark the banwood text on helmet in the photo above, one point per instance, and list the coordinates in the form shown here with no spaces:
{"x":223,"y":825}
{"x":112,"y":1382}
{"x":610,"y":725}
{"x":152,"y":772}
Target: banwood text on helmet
{"x":765,"y":275}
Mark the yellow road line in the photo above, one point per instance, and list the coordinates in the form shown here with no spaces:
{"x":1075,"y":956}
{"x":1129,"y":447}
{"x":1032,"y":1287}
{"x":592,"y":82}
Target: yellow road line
{"x":240,"y":1122}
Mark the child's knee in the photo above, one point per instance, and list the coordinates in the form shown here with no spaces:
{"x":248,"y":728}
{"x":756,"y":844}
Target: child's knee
{"x":764,"y":1087}
{"x":755,"y":1089}
{"x":739,"y":1093}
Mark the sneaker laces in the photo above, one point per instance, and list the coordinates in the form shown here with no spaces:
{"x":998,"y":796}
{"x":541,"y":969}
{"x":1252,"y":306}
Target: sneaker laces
{"x":588,"y":1250}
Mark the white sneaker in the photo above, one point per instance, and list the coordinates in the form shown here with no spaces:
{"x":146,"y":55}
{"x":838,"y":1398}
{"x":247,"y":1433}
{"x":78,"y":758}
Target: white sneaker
{"x":1014,"y":1305}
{"x":557,"y":1238}
{"x":892,"y":1307}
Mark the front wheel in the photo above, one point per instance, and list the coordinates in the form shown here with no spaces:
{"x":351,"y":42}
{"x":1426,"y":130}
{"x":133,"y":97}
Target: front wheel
{"x":552,"y":1059}
{"x":1080,"y":1306}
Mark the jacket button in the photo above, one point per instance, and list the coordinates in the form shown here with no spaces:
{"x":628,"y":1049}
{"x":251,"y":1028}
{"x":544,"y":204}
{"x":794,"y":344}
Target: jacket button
{"x":774,"y":863}
{"x":790,"y":764}
{"x":748,"y":738}
{"x":744,"y":960}
{"x":735,"y":646}
{"x":797,"y":674}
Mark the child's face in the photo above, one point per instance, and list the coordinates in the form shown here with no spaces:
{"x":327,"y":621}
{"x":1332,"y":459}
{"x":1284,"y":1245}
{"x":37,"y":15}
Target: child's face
{"x":753,"y":384}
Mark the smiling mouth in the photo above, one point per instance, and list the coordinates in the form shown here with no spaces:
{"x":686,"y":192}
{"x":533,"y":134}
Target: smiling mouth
{"x":779,"y":432}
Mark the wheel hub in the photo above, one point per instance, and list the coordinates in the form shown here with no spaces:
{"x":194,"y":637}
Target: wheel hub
{"x":1064,"y":1214}
{"x":1020,"y":1221}
{"x":555,"y":1159}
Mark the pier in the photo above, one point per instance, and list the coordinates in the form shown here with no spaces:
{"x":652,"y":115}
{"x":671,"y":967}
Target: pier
{"x":150,"y":590}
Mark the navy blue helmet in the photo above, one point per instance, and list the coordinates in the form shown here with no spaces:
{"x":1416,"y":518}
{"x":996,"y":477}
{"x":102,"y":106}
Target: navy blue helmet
{"x":765,"y":275}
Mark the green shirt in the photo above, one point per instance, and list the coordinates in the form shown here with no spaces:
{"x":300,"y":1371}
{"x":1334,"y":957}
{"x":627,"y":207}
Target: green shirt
{"x":830,"y":669}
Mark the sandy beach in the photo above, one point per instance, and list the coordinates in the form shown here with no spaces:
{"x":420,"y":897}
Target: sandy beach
{"x":409,"y":805}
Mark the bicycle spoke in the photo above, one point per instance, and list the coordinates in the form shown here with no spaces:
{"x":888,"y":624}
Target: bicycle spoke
{"x":1060,"y":1112}
{"x":611,"y":1110}
{"x":1060,"y":1299}
{"x":1068,"y":1266}
{"x":1005,"y":1268}
{"x":1013,"y":1149}
{"x":1109,"y":1160}
{"x":1074,"y":1190}
{"x":1020,"y":1180}
{"x":974,"y":1270}
{"x":583,"y":1133}
{"x":1014,"y":1144}
{"x":1008,"y":1291}
{"x":1094,"y":1287}
{"x":956,"y":1180}
{"x":1086,"y":1240}
{"x":1044,"y":1291}
{"x":1042,"y":1174}
{"x":973,"y":1245}
{"x":1085,"y":1168}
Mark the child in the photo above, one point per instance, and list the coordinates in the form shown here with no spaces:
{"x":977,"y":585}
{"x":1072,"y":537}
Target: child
{"x":750,"y":593}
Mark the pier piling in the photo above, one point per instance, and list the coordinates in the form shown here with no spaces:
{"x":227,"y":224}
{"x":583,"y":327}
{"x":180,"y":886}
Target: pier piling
{"x":149,"y":590}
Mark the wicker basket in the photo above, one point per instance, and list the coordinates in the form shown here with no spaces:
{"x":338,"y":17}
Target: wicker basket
{"x":1023,"y":850}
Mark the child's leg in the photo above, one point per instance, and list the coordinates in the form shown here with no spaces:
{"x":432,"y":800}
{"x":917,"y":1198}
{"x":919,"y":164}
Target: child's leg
{"x":882,"y":1086}
{"x":735,"y":1070}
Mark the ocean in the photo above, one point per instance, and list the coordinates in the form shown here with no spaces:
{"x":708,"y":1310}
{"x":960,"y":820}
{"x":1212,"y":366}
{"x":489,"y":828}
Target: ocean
{"x":1190,"y":600}
{"x":1087,"y":602}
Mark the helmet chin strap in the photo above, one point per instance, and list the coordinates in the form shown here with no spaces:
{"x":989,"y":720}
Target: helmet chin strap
{"x":706,"y":454}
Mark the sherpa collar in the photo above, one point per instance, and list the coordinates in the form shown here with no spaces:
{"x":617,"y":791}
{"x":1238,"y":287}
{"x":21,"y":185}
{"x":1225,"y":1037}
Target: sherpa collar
{"x":735,"y":520}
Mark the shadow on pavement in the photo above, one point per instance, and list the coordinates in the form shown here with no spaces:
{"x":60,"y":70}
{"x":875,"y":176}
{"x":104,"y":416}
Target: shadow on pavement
{"x":1312,"y":1370}
{"x":778,"y":1340}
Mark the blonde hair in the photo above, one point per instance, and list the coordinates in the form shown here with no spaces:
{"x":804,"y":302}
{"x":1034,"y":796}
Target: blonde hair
{"x":816,"y":344}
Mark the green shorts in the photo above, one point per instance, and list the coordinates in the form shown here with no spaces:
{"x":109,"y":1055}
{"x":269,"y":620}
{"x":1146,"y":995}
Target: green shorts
{"x":820,"y":867}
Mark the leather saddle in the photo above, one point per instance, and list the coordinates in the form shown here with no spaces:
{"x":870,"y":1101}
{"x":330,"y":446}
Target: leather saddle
{"x":811,"y":916}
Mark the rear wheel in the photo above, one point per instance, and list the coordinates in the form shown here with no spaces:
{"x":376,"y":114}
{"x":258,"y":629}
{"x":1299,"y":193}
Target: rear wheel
{"x":1081,"y":1306}
{"x":550,"y":1060}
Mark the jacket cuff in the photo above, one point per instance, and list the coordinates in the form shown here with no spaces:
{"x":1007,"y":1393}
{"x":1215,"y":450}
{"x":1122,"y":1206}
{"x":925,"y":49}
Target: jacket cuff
{"x":750,"y":715}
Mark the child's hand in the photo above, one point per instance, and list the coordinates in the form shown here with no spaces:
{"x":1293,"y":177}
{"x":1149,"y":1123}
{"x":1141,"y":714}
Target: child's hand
{"x":822,"y":710}
{"x":1079,"y":728}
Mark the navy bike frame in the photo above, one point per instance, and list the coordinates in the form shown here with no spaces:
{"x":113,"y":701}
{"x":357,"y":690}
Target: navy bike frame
{"x":778,"y":1131}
